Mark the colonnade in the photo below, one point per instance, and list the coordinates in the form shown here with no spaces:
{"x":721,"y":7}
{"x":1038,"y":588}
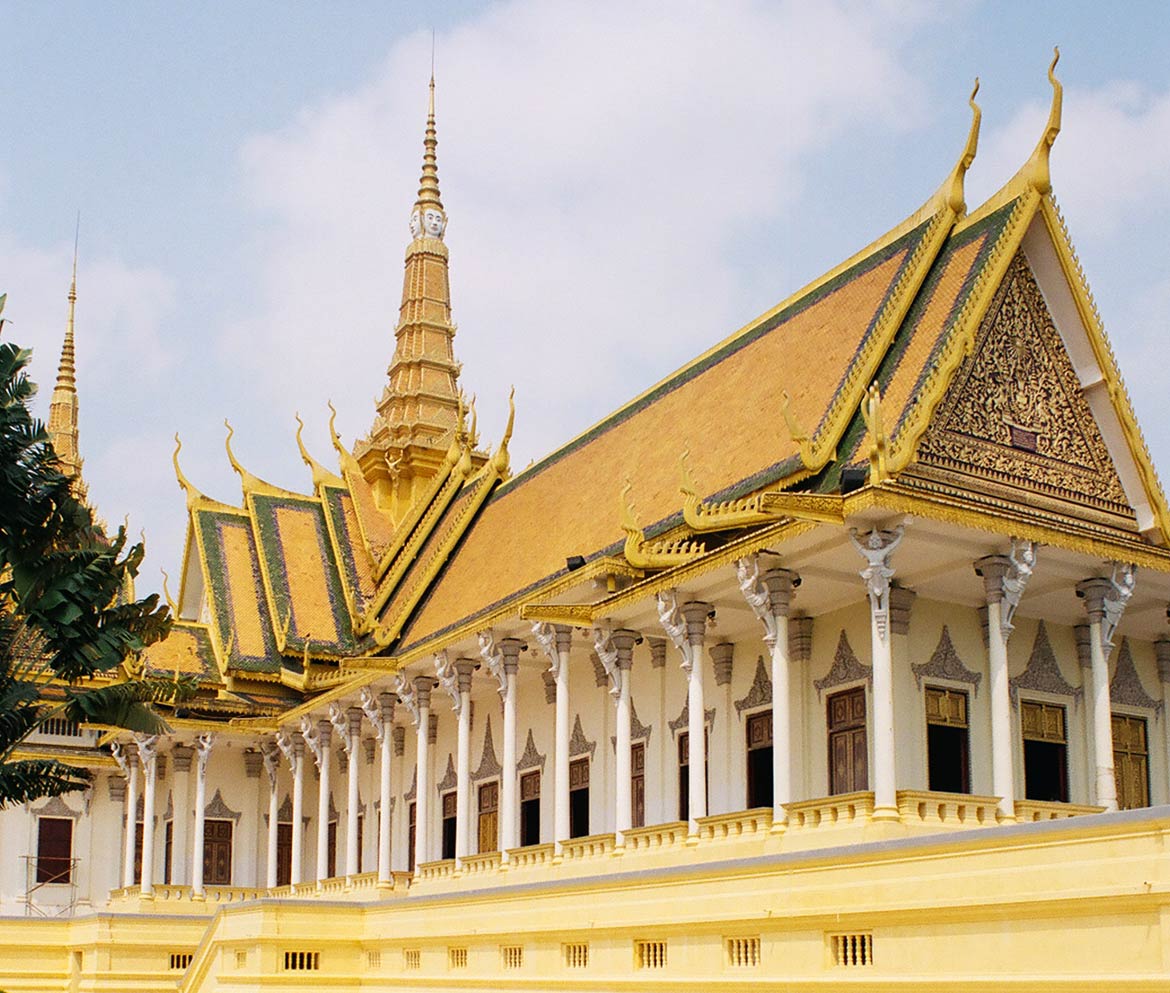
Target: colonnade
{"x":769,"y":592}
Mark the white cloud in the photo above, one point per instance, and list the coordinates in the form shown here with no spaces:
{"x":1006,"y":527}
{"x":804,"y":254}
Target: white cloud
{"x":600,"y":163}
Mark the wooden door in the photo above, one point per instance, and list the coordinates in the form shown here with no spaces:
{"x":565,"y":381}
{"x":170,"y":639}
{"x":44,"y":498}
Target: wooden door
{"x":283,"y":854}
{"x":331,"y":850}
{"x":1131,"y":761}
{"x":579,"y":797}
{"x":410,"y":836}
{"x":168,"y":851}
{"x":489,"y":816}
{"x":217,"y":853}
{"x":848,"y":745}
{"x":638,"y":784}
{"x":530,"y":808}
{"x":759,"y":760}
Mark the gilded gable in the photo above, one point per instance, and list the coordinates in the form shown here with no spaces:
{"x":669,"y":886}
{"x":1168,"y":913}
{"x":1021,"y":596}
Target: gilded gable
{"x":1015,"y":415}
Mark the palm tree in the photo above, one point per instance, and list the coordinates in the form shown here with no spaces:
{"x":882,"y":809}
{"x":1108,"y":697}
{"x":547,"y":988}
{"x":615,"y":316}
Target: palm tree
{"x":67,"y":625}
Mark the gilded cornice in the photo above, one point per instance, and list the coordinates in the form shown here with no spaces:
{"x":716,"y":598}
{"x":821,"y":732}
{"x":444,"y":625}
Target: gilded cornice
{"x":719,"y":516}
{"x":659,"y":553}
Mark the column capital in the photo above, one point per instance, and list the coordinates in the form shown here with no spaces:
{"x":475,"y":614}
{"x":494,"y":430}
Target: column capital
{"x":993,"y":569}
{"x":398,"y":734}
{"x":696,"y":614}
{"x":657,"y":652}
{"x":1083,"y":635}
{"x":464,"y":667}
{"x":511,"y":649}
{"x":422,"y":691}
{"x":1093,"y":592}
{"x":1162,"y":654}
{"x":554,"y":640}
{"x":182,"y":754}
{"x":1106,"y":599}
{"x":253,"y":761}
{"x":624,"y":641}
{"x":721,"y":657}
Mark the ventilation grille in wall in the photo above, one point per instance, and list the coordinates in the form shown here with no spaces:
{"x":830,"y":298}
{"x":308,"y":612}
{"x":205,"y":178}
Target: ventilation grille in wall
{"x":743,"y":953}
{"x":851,"y":949}
{"x":302,"y":961}
{"x":512,"y":956}
{"x":241,"y":958}
{"x":411,"y":958}
{"x":576,"y":955}
{"x":180,"y":960}
{"x":456,"y":958}
{"x":649,"y":954}
{"x":373,"y":959}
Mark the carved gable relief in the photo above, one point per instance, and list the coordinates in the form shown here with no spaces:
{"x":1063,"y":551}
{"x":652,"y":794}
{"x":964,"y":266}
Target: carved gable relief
{"x":217,"y":810}
{"x":531,"y":759}
{"x":846,"y":668}
{"x":638,"y":730}
{"x":1015,"y":414}
{"x":1126,"y":687}
{"x":489,"y":765}
{"x":56,"y":807}
{"x":1043,"y":672}
{"x":578,"y":743}
{"x":284,"y":811}
{"x":450,"y":779}
{"x":946,"y":664}
{"x":760,"y":693}
{"x":683,"y":720}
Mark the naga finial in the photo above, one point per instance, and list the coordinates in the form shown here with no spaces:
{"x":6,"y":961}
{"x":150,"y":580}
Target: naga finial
{"x":185,"y":484}
{"x":871,"y":412}
{"x":629,"y":516}
{"x":1037,"y":170}
{"x":687,"y":485}
{"x":501,"y":460}
{"x":955,"y":197}
{"x":321,"y":475}
{"x":167,"y":593}
{"x":227,"y":444}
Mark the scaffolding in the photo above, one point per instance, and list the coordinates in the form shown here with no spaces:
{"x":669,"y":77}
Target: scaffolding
{"x":60,"y":876}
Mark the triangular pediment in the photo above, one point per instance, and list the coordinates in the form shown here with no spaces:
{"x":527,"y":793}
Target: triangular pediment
{"x":1015,"y":422}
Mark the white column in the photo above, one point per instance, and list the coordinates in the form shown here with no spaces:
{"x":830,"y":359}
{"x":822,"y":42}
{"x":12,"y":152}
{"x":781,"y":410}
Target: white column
{"x":181,"y":756}
{"x":1105,"y":601}
{"x":877,"y":548}
{"x":509,"y":820}
{"x":1162,"y":652}
{"x":148,"y":752}
{"x":770,"y":597}
{"x":348,"y":725}
{"x":271,"y":753}
{"x":616,"y":651}
{"x":127,"y":758}
{"x":728,"y":780}
{"x":202,"y":753}
{"x":319,"y":739}
{"x":555,"y":641}
{"x":380,"y":714}
{"x":660,"y":742}
{"x":297,"y":855}
{"x":455,"y":678}
{"x":1004,"y":580}
{"x":415,"y":695}
{"x":686,"y":627}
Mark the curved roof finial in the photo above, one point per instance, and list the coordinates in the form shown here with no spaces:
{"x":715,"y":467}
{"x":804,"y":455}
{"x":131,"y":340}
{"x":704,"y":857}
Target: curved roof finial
{"x":501,"y":460}
{"x":193,"y":495}
{"x":1036,"y":171}
{"x":247,"y":480}
{"x":333,"y":428}
{"x":955,"y":197}
{"x":321,"y":475}
{"x":167,"y":593}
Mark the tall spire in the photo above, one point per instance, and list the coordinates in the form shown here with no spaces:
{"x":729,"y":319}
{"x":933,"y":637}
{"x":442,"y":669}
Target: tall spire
{"x":419,"y":412}
{"x":63,"y":405}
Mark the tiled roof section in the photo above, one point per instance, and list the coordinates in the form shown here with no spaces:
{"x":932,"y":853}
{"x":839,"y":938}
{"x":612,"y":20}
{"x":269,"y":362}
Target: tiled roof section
{"x":375,"y":526}
{"x":304,"y":588}
{"x":725,"y":408}
{"x":274,"y":699}
{"x":437,"y":544}
{"x":186,"y":650}
{"x":239,"y":606}
{"x":352,"y":558}
{"x":933,"y":317}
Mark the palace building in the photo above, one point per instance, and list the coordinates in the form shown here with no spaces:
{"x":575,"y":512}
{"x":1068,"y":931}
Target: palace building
{"x":838,"y":657}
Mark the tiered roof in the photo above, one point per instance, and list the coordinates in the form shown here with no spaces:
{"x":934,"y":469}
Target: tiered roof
{"x":849,"y":373}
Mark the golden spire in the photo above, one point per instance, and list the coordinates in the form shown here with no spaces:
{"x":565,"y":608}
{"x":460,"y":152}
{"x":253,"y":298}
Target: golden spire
{"x":1036,"y":171}
{"x":428,"y":184}
{"x":63,"y":405}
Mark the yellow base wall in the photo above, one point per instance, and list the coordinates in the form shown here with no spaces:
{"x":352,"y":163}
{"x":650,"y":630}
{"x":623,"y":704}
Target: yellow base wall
{"x":1079,"y":904}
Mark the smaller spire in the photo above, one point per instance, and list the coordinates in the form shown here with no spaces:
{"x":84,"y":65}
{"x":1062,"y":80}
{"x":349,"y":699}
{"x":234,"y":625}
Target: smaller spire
{"x":63,"y":407}
{"x":428,"y":219}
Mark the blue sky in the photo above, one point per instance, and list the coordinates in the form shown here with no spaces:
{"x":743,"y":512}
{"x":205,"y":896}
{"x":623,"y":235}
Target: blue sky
{"x":627,"y":184}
